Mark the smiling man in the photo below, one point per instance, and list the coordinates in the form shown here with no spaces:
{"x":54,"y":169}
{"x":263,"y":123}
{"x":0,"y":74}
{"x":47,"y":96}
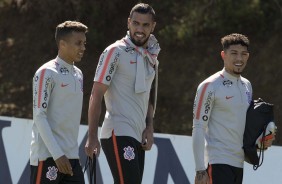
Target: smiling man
{"x":219,"y":116}
{"x":57,"y":105}
{"x":124,"y":77}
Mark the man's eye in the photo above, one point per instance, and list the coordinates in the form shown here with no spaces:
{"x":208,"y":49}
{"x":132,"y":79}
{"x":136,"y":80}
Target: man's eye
{"x":135,"y":23}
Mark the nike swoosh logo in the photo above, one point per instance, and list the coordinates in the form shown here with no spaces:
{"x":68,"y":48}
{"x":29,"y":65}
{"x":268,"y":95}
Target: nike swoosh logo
{"x":228,"y":97}
{"x":132,"y":62}
{"x":64,"y":85}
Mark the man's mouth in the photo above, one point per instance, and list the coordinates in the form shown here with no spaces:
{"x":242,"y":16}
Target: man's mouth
{"x":238,"y":64}
{"x":139,"y":35}
{"x":80,"y":54}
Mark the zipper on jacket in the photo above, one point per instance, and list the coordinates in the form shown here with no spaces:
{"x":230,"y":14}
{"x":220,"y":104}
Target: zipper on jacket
{"x":238,"y":81}
{"x":73,"y":75}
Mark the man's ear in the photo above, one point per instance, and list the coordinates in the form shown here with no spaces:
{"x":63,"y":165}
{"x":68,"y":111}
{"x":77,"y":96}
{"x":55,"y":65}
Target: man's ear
{"x":153,"y":28}
{"x":62,"y":44}
{"x":222,"y":54}
{"x":128,"y":22}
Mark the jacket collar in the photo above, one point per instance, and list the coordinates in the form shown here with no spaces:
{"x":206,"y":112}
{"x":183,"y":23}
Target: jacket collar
{"x":63,"y":63}
{"x":227,"y":75}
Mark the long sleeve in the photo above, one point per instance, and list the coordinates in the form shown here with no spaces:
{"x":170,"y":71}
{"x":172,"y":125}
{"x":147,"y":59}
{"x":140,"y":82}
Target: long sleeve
{"x":201,"y":111}
{"x":42,"y":90}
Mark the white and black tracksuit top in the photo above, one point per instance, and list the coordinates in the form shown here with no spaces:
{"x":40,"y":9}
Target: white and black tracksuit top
{"x":57,"y":105}
{"x":219,"y":115}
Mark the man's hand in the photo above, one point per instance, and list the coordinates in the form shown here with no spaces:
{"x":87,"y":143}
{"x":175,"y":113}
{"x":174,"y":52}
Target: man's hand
{"x":202,"y":177}
{"x":92,"y":146}
{"x":64,"y":165}
{"x":147,"y":138}
{"x":268,"y":140}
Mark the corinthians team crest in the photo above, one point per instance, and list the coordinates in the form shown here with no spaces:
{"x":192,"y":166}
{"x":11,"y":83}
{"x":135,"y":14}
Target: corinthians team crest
{"x":52,"y":173}
{"x":128,"y":153}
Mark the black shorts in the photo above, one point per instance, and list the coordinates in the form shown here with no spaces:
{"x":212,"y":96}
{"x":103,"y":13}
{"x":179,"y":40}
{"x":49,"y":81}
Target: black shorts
{"x":223,"y":174}
{"x":47,"y":172}
{"x":125,"y":157}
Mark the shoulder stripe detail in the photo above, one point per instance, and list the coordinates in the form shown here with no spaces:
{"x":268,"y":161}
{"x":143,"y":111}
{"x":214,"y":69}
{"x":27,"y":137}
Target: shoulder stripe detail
{"x":106,"y":65}
{"x":40,"y":87}
{"x":201,"y":100}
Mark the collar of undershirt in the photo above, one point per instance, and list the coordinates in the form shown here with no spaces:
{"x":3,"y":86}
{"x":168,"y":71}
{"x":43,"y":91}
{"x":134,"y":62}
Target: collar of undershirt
{"x":63,"y":63}
{"x":226,"y":75}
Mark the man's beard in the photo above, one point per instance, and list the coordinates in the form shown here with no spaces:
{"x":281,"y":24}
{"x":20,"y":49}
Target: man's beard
{"x":239,"y":72}
{"x":136,"y":42}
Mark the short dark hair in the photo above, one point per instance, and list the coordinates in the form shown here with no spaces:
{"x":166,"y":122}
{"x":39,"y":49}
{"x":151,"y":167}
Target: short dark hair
{"x":143,"y":9}
{"x":67,"y":27}
{"x":234,"y":39}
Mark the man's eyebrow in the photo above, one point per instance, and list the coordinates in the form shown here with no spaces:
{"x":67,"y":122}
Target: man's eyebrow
{"x":145,"y":23}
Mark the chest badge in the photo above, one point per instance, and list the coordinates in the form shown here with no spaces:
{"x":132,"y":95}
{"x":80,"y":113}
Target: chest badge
{"x":227,"y":83}
{"x":64,"y":71}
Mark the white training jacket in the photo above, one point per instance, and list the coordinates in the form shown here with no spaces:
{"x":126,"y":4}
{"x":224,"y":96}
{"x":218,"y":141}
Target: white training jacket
{"x":57,"y":105}
{"x":219,"y":115}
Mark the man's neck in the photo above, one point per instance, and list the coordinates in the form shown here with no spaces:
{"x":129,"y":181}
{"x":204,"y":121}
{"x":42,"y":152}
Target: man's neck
{"x":63,"y":57}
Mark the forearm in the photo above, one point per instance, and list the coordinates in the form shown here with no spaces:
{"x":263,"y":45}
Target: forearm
{"x":46,"y":134}
{"x":198,"y":143}
{"x":148,"y":133}
{"x":150,"y":111}
{"x":94,"y":113}
{"x":95,"y":108}
{"x":149,"y":117}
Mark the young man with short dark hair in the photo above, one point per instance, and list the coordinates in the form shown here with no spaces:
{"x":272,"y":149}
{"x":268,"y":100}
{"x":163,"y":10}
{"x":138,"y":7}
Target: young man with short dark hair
{"x":219,"y":117}
{"x":57,"y":105}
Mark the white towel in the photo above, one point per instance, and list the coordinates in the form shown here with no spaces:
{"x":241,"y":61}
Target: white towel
{"x":145,"y":55}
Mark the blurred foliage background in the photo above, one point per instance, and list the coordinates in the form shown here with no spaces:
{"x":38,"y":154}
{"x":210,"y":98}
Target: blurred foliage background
{"x":189,"y":34}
